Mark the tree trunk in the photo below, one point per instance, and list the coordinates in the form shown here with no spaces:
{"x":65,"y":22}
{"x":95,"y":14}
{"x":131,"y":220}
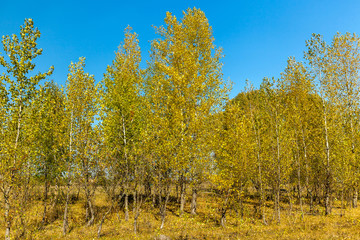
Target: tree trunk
{"x":261,"y":190}
{"x":241,"y":202}
{"x":290,"y":197}
{"x":342,"y":201}
{"x":328,"y":173}
{"x":262,"y":198}
{"x":194,"y":201}
{"x":154,"y":198}
{"x":103,"y":219}
{"x":126,"y":207}
{"x":278,"y":180}
{"x":277,"y":204}
{"x":177,"y":194}
{"x":182,"y":195}
{"x":223,"y":217}
{"x":311,"y":202}
{"x":138,"y":200}
{"x":327,"y":197}
{"x":308,"y":189}
{"x":163,"y":206}
{"x":147,"y":187}
{"x":65,"y":222}
{"x":299,"y":182}
{"x":92,"y":214}
{"x":7,"y":215}
{"x":135,"y":211}
{"x":45,"y":200}
{"x":355,"y":198}
{"x":8,"y":218}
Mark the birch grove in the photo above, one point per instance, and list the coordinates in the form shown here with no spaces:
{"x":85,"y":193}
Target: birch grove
{"x":154,"y":139}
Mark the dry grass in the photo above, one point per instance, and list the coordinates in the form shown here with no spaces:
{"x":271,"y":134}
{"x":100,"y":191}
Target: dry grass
{"x":205,"y":225}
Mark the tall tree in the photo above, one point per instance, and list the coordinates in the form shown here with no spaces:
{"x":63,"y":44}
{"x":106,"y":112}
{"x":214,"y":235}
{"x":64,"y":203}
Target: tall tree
{"x":317,"y":59}
{"x":273,"y":114}
{"x":185,"y":87}
{"x":302,"y":119}
{"x":234,"y":161}
{"x":18,"y":93}
{"x":49,"y":114}
{"x":344,"y":66}
{"x":122,"y":106}
{"x":81,"y":109}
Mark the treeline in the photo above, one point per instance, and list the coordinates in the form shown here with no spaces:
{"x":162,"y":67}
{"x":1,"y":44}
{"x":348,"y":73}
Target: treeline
{"x":146,"y":134}
{"x":298,"y":134}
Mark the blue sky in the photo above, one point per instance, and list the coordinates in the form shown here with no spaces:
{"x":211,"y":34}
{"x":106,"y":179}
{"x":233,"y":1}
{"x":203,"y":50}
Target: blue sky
{"x":257,"y":36}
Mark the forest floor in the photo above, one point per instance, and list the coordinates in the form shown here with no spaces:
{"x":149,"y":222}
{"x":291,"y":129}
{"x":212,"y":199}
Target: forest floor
{"x":205,"y":225}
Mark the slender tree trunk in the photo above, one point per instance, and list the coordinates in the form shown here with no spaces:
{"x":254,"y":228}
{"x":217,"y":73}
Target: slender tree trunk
{"x":290,"y":198}
{"x":136,"y":216}
{"x":87,"y":212}
{"x":46,"y":189}
{"x":65,"y":221}
{"x":163,"y":206}
{"x":342,"y":200}
{"x":92,"y":214}
{"x":328,"y":173}
{"x":126,"y":206}
{"x":7,"y":214}
{"x":355,"y":189}
{"x":127,"y":170}
{"x":299,"y":191}
{"x":154,"y":197}
{"x":311,"y":202}
{"x":278,"y":181}
{"x":241,"y":201}
{"x":147,"y":187}
{"x":8,"y":218}
{"x":17,"y":134}
{"x":56,"y":196}
{"x":261,"y":190}
{"x":194,"y":201}
{"x":355,"y":198}
{"x":182,"y":195}
{"x":262,"y":198}
{"x":103,"y":220}
{"x":308,"y":188}
{"x":327,"y":197}
{"x":138,"y":200}
{"x":277,"y":204}
{"x":90,"y":193}
{"x":135,"y":211}
{"x":177,"y":194}
{"x":26,"y":187}
{"x":85,"y":186}
{"x":299,"y":180}
{"x":223,"y":217}
{"x":224,"y":210}
{"x":349,"y":197}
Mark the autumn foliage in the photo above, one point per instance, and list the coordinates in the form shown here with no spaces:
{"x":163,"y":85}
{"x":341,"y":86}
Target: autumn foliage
{"x":150,"y":140}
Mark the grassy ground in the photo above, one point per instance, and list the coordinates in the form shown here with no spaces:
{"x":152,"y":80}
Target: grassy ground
{"x":205,"y":225}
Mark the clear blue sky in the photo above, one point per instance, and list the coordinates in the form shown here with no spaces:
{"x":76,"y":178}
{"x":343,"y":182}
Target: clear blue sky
{"x":257,"y":36}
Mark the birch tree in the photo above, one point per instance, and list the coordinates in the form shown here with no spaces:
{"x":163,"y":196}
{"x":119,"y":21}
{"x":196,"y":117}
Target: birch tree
{"x":234,"y":159}
{"x":186,"y":86}
{"x":122,"y":112}
{"x":49,"y":113}
{"x":80,"y":107}
{"x":17,"y":94}
{"x":344,"y":61}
